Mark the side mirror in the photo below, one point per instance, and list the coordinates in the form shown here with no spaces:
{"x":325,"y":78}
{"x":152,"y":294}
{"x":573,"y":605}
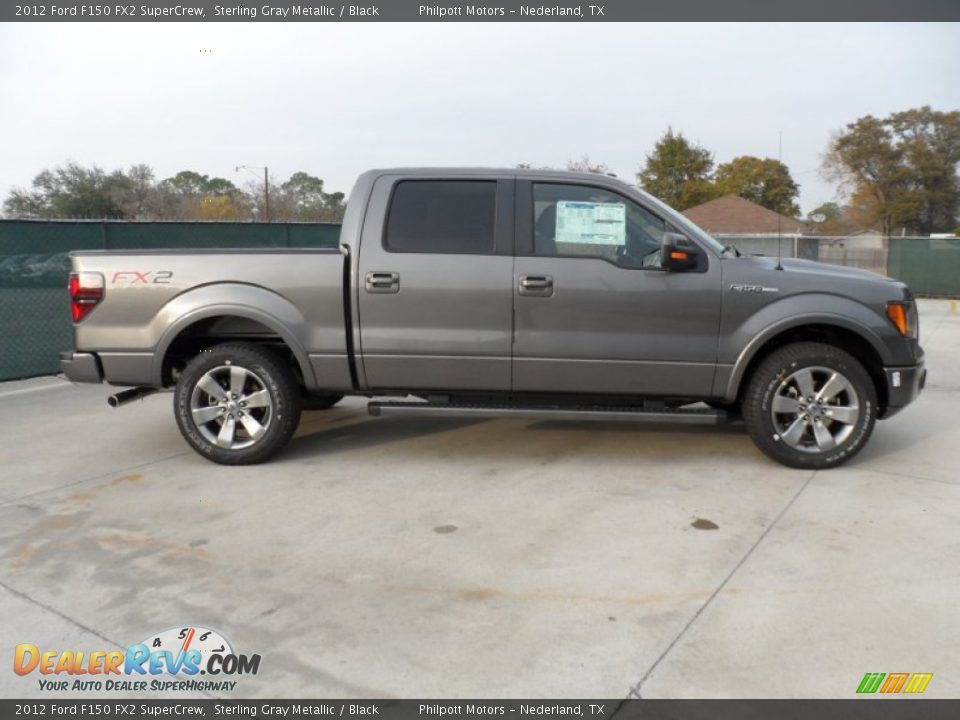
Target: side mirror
{"x":678,"y":253}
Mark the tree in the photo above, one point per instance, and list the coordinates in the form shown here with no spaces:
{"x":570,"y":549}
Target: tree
{"x":834,"y":219}
{"x":189,"y":195}
{"x":302,"y":198}
{"x":829,"y":211}
{"x":72,"y":191}
{"x":190,"y":184}
{"x":335,"y":205}
{"x":222,"y":207}
{"x":764,"y":181}
{"x":931,"y":146}
{"x":678,"y":172}
{"x":141,"y":191}
{"x":868,"y":166}
{"x":186,"y":183}
{"x":21,"y":203}
{"x":900,"y":171}
{"x":584,"y":164}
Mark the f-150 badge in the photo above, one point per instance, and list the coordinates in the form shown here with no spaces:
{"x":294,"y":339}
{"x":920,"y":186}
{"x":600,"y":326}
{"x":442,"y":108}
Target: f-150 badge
{"x":753,"y":289}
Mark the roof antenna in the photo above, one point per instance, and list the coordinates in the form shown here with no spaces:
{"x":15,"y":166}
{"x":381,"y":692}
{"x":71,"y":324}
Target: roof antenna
{"x":779,"y":216}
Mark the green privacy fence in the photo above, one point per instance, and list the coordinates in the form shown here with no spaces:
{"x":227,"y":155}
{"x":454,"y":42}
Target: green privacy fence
{"x":34,"y":307}
{"x":930,"y":266}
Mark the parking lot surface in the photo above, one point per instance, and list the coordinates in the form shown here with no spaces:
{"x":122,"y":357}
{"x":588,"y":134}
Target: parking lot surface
{"x":447,"y":558}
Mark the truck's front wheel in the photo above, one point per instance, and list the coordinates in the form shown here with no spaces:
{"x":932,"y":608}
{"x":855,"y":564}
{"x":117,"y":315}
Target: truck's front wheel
{"x":810,"y":405}
{"x":237,"y":403}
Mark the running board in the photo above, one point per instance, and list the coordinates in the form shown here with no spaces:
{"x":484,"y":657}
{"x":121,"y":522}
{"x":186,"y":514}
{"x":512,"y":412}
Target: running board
{"x":590,"y":412}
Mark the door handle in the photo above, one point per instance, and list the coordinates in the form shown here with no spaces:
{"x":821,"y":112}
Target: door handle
{"x":377,"y":281}
{"x":536,"y":285}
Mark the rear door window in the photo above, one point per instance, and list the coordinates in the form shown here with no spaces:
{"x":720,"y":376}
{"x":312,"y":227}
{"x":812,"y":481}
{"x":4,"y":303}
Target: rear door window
{"x":442,"y":216}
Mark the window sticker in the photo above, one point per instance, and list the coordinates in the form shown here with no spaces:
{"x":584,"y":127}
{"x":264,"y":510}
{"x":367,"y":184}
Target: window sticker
{"x":591,"y":223}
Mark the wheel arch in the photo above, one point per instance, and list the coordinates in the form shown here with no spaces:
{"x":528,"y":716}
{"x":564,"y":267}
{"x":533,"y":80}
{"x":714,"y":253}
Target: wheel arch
{"x":831,"y":330}
{"x":223,"y":322}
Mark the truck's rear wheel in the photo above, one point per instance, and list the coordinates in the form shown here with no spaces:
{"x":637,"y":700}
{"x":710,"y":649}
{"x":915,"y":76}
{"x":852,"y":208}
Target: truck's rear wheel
{"x":237,"y":403}
{"x":810,"y":406}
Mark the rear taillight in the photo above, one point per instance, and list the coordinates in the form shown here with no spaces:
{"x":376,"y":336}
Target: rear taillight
{"x":86,"y":290}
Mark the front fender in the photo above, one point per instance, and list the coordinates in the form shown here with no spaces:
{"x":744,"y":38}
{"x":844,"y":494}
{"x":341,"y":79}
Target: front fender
{"x":746,"y":336}
{"x":230,"y":299}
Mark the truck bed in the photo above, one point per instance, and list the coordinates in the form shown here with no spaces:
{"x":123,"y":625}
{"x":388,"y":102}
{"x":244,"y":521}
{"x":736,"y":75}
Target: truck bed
{"x":153,"y":297}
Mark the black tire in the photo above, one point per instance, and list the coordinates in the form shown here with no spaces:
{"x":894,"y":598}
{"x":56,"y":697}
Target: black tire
{"x":798,"y":436}
{"x":257,"y":431}
{"x":320,"y":402}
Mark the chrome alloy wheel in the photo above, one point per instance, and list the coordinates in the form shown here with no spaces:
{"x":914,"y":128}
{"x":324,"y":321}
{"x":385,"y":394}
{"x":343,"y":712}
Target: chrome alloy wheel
{"x":231,"y":407}
{"x":815,"y":409}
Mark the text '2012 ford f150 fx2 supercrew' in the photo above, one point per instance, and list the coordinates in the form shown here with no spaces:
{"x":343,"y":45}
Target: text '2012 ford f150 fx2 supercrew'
{"x":501,"y":293}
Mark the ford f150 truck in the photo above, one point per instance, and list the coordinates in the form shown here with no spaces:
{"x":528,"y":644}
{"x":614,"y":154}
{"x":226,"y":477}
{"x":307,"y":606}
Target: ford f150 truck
{"x":489,"y":293}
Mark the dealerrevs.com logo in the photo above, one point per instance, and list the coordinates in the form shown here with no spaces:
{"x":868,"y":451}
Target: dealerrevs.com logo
{"x":169,"y":660}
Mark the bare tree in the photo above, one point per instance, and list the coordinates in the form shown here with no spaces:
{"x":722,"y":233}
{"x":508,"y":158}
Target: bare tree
{"x":585,"y":164}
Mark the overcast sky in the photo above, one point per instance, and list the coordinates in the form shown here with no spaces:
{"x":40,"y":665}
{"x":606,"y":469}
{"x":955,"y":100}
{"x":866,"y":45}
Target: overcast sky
{"x":334,"y":100}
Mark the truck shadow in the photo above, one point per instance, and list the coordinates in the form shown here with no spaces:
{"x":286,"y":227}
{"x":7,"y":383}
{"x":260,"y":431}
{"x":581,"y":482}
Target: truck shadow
{"x":358,"y":433}
{"x":350,"y":431}
{"x":733,"y":428}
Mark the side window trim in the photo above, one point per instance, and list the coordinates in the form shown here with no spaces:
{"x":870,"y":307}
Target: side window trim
{"x":524,"y":218}
{"x":503,"y":232}
{"x":504,"y":237}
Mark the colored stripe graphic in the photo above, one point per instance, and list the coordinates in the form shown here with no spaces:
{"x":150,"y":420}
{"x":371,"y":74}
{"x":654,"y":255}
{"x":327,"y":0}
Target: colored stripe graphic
{"x":870,"y":682}
{"x":894,"y":682}
{"x":918,"y":682}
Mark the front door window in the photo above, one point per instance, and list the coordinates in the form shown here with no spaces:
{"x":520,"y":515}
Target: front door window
{"x":579,"y":220}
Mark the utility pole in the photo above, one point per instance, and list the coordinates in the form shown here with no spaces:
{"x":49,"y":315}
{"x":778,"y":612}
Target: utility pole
{"x":266,"y":192}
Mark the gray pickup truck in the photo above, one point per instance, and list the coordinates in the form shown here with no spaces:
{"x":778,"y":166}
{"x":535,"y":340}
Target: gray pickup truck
{"x":501,"y":293}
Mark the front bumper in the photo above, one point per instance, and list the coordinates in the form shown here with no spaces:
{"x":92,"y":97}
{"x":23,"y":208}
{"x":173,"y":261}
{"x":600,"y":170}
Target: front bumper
{"x":81,"y":367}
{"x":904,"y":385}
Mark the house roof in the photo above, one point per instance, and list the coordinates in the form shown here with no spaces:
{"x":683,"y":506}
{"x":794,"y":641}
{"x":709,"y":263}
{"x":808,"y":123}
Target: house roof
{"x":733,"y":215}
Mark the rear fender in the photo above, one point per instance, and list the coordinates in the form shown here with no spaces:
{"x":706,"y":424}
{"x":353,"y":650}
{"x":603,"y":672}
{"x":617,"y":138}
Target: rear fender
{"x":237,"y":300}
